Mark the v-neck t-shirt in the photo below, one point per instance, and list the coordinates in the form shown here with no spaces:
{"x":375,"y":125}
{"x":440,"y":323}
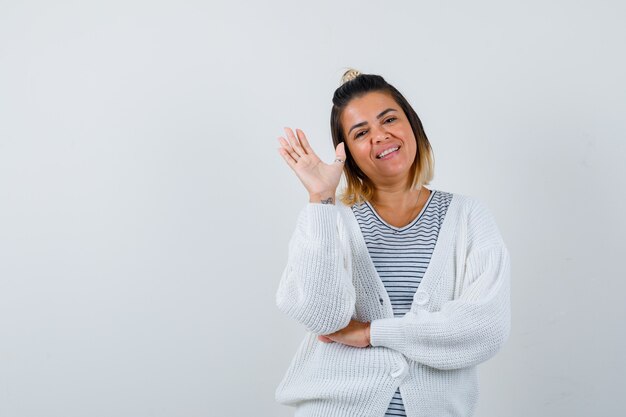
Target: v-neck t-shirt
{"x":401,"y":255}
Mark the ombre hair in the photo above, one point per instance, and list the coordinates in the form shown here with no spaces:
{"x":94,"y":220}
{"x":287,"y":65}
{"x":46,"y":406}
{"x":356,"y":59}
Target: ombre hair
{"x":359,"y":187}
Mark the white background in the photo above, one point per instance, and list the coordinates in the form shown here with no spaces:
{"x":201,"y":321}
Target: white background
{"x":145,"y":211}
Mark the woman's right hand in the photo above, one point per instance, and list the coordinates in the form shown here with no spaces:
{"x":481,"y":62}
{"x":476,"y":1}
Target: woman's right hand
{"x":319,"y":179}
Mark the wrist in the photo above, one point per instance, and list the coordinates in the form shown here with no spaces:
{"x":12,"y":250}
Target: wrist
{"x":323,"y":198}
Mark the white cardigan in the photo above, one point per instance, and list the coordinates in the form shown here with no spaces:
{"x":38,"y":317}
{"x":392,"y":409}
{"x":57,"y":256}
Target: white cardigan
{"x":460,"y":317}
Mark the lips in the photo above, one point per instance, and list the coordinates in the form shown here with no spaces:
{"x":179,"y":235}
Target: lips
{"x":396,"y":147}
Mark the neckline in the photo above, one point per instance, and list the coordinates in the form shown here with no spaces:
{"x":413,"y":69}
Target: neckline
{"x":447,"y":234}
{"x":411,"y":223}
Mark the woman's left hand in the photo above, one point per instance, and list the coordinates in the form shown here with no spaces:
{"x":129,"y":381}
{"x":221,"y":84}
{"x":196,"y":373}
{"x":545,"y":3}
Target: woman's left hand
{"x":355,"y":334}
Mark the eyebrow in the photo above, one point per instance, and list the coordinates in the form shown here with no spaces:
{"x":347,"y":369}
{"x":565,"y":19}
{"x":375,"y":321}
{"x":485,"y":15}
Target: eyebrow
{"x":381,"y":114}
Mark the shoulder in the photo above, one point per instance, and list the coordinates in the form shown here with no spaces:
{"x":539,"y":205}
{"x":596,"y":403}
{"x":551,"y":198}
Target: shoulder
{"x":467,"y":204}
{"x":479,"y":220}
{"x":459,"y":203}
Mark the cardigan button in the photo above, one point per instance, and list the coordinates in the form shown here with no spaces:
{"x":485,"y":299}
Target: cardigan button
{"x":400,"y":372}
{"x":381,"y":300}
{"x":421,"y":297}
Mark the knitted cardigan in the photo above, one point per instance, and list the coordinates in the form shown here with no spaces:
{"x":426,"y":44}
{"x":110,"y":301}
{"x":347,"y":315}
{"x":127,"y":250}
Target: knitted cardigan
{"x":459,"y":317}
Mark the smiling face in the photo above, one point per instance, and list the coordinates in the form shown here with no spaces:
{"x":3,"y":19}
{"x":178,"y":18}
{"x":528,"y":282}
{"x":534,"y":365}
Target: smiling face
{"x":379,"y":137}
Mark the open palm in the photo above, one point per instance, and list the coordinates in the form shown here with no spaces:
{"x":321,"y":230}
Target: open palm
{"x":319,"y":178}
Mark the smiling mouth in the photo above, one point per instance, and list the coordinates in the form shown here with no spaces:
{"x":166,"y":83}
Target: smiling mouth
{"x":387,"y":152}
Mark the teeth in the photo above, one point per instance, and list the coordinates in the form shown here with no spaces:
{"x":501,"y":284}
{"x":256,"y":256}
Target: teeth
{"x":387,"y":152}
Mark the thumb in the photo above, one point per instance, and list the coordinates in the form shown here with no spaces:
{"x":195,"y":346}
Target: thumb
{"x":340,"y":152}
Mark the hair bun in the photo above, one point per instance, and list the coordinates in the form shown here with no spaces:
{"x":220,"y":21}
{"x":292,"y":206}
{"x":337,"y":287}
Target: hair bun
{"x":350,"y":75}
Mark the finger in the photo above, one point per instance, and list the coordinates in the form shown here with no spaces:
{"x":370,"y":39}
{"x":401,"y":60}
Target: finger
{"x":295,"y":143}
{"x":325,"y":339}
{"x":287,"y":147}
{"x":285,"y":144}
{"x":304,"y":141}
{"x":340,"y":153}
{"x":287,"y":157}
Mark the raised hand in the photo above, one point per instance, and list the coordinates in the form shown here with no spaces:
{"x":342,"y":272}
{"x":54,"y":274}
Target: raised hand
{"x":319,"y":179}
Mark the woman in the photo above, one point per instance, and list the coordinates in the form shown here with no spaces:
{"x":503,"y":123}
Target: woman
{"x":404,"y":290}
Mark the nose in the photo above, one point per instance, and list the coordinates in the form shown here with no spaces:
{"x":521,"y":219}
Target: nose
{"x":379,"y":134}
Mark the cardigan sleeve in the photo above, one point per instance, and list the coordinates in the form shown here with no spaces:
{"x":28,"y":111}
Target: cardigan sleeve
{"x":467,"y":330}
{"x":316,"y":285}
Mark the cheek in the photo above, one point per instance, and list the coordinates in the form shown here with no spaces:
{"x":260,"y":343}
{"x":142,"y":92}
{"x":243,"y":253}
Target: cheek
{"x":360,"y":154}
{"x":410,"y":137}
{"x":356,"y":149}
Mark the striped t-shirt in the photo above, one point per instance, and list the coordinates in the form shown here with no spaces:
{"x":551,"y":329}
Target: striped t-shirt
{"x":401,"y":255}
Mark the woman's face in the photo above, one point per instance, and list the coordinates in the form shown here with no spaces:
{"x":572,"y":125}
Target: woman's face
{"x":374,"y":125}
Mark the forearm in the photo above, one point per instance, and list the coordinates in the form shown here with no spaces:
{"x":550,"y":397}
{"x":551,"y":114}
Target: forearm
{"x":446,"y":339}
{"x":316,"y":286}
{"x":466,"y":331}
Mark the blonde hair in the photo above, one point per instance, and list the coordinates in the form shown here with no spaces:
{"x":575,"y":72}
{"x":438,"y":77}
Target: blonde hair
{"x":359,"y":187}
{"x":350,"y":75}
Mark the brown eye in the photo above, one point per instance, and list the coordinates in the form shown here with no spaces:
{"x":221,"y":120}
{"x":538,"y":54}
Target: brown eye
{"x":391,"y":119}
{"x":360,"y":133}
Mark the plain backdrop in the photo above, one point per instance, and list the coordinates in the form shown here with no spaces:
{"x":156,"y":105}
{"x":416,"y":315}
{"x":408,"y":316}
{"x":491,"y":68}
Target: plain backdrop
{"x":145,"y":211}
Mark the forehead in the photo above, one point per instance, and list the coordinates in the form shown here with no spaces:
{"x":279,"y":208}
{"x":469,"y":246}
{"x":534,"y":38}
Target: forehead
{"x":367,"y":107}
